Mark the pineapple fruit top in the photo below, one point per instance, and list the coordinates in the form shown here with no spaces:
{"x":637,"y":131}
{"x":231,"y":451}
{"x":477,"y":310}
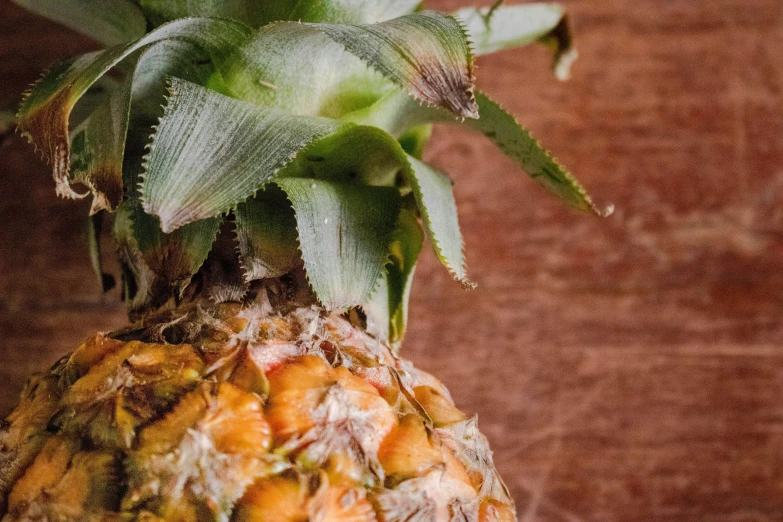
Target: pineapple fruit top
{"x":235,"y":141}
{"x":236,"y":413}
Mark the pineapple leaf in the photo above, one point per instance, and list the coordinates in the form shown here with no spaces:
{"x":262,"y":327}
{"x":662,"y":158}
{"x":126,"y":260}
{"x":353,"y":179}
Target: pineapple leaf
{"x":354,"y":154}
{"x":257,"y":13}
{"x":338,"y":11}
{"x":387,"y":310}
{"x":98,"y":148}
{"x":211,"y":152}
{"x":490,"y":29}
{"x":109,"y":22}
{"x":344,"y":235}
{"x":266,"y":234}
{"x":435,"y":199}
{"x":305,"y":69}
{"x":414,"y":140}
{"x":95,"y":96}
{"x":426,"y":53}
{"x":179,"y":58}
{"x":163,"y":264}
{"x":160,"y":265}
{"x":44,"y":114}
{"x":296,"y":68}
{"x":268,"y":144}
{"x":369,"y":156}
{"x":502,"y":27}
{"x":162,"y":11}
{"x":397,"y":113}
{"x":519,"y":145}
{"x":94,"y":231}
{"x":177,"y":256}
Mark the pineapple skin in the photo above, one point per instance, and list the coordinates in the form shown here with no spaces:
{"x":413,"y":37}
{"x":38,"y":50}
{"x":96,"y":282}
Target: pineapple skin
{"x":239,"y":413}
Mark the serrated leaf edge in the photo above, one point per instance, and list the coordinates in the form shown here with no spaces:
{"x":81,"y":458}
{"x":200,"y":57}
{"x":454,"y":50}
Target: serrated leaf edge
{"x":601,"y":212}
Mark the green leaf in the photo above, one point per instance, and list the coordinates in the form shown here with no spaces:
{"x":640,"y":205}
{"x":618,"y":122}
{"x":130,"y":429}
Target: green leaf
{"x":162,"y":11}
{"x":211,"y":152}
{"x":425,"y":53}
{"x":44,"y":114}
{"x":353,"y":154}
{"x":180,"y":58}
{"x":266,"y":235}
{"x":435,"y":199}
{"x":138,"y":280}
{"x":344,"y":235}
{"x":162,"y":264}
{"x":95,"y":96}
{"x":387,"y":310}
{"x":369,"y":156}
{"x":337,"y":11}
{"x":504,"y":27}
{"x":414,"y":140}
{"x":396,"y":113}
{"x":175,"y":257}
{"x":94,"y":230}
{"x":297,"y":68}
{"x":109,"y":22}
{"x":257,"y":13}
{"x":98,"y":145}
{"x":518,"y":144}
{"x":98,"y":148}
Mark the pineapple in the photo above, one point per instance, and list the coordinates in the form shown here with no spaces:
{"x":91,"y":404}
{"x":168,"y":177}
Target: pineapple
{"x":261,"y":165}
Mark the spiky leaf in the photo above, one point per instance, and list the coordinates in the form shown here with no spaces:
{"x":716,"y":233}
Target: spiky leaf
{"x":517,"y":142}
{"x":180,"y":58}
{"x":296,"y":68}
{"x":435,"y":200}
{"x":162,"y":264}
{"x":344,"y":234}
{"x":414,"y":140}
{"x":147,"y":252}
{"x":109,"y":22}
{"x":162,"y":11}
{"x":98,"y":148}
{"x":45,"y":112}
{"x":174,"y":257}
{"x":504,"y":27}
{"x":387,"y":311}
{"x":367,"y":155}
{"x":354,"y":154}
{"x":266,"y":235}
{"x":257,"y":13}
{"x":426,"y":53}
{"x":337,"y":11}
{"x":396,"y":113}
{"x":304,"y":68}
{"x":94,"y":231}
{"x":211,"y":152}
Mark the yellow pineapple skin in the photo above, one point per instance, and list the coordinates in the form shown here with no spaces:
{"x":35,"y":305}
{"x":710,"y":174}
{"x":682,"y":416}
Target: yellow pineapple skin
{"x":235,"y":413}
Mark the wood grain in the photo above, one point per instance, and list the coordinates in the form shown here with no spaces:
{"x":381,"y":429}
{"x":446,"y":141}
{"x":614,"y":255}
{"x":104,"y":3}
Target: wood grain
{"x":624,"y":369}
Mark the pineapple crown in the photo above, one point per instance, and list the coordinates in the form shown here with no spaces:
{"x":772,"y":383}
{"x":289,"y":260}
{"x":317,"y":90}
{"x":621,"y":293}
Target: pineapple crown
{"x":297,"y":124}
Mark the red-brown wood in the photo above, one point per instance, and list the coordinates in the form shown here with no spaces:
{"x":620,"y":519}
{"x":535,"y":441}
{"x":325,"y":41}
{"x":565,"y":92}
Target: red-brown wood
{"x":624,"y":369}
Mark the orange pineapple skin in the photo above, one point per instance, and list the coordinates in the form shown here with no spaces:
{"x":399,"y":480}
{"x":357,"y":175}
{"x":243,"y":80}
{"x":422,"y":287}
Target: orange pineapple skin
{"x":235,"y":413}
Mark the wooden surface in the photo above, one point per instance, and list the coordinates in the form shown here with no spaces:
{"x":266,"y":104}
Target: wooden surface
{"x":625,"y":370}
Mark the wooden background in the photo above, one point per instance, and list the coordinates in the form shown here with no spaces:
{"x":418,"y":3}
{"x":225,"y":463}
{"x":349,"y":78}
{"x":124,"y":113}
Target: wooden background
{"x":627,"y":369}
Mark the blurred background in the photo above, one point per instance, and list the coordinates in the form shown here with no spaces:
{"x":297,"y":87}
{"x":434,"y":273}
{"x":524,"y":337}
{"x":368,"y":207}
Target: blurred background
{"x":625,"y":369}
